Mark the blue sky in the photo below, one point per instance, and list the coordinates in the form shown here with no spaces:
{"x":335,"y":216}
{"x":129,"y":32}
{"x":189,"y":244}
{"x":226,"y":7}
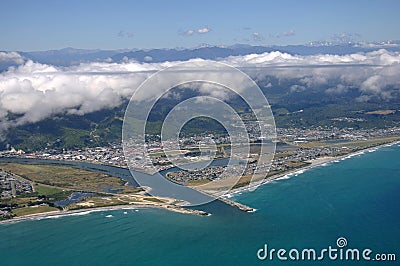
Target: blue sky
{"x":49,"y":24}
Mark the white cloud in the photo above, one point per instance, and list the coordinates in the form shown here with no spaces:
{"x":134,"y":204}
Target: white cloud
{"x":148,"y":58}
{"x":191,"y":32}
{"x":377,"y":58}
{"x":374,"y":73}
{"x":187,"y":32}
{"x":204,"y":30}
{"x":257,"y":37}
{"x":11,"y":57}
{"x":297,"y":88}
{"x":338,"y":89}
{"x":36,"y":91}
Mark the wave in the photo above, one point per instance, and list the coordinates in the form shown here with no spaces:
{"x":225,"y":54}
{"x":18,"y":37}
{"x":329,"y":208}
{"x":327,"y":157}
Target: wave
{"x":388,"y":145}
{"x":301,"y":171}
{"x":72,"y":213}
{"x":64,"y":215}
{"x":292,"y":174}
{"x":284,"y":177}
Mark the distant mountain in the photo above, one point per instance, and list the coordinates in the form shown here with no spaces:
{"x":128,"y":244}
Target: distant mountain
{"x":71,"y":56}
{"x":161,"y":55}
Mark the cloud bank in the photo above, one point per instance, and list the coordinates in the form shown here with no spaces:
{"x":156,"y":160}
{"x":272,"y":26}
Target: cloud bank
{"x":11,"y":57}
{"x":375,"y":74}
{"x":36,"y":91}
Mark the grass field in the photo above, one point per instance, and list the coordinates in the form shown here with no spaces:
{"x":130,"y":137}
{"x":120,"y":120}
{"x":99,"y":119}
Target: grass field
{"x":65,"y":177}
{"x":46,"y":190}
{"x":114,"y":200}
{"x":58,"y":182}
{"x":359,"y":144}
{"x":96,"y":202}
{"x":198,"y":182}
{"x":33,"y":210}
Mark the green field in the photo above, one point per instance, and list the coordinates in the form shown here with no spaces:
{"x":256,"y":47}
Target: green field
{"x":52,"y":183}
{"x":46,"y":190}
{"x":355,"y":144}
{"x":52,"y":178}
{"x":33,"y":210}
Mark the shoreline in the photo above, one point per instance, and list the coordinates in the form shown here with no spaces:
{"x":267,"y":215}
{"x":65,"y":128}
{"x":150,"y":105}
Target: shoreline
{"x":286,"y":175}
{"x":58,"y":214}
{"x":314,"y":163}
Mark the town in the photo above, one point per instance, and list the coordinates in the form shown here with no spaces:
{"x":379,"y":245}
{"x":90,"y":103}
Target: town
{"x":11,"y":187}
{"x":295,"y":148}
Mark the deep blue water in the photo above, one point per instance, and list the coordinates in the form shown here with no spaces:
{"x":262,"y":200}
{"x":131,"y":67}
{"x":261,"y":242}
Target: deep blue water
{"x":358,"y":198}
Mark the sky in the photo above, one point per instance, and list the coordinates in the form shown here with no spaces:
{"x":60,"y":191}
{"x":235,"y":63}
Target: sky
{"x":52,"y":24}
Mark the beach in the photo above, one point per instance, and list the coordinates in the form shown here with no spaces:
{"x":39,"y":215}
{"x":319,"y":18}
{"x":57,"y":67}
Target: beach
{"x":57,"y":214}
{"x":313,"y":163}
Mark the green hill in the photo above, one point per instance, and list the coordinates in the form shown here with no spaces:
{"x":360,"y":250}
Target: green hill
{"x":313,"y":107}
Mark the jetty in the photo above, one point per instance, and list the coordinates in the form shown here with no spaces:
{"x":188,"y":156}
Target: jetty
{"x":240,"y":206}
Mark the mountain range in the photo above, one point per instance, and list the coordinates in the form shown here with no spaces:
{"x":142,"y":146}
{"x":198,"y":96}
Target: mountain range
{"x":70,"y":56}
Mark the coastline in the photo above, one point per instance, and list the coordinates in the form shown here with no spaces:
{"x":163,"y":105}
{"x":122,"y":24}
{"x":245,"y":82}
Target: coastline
{"x":58,"y":214}
{"x":286,"y":175}
{"x":314,"y":163}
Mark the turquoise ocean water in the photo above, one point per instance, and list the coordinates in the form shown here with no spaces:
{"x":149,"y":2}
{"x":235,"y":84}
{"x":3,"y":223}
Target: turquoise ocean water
{"x":357,"y":198}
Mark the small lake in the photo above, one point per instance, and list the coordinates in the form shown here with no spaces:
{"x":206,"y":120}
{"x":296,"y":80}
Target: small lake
{"x":73,"y":198}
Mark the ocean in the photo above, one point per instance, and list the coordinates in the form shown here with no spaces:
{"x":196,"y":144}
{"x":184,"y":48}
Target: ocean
{"x":356,"y":199}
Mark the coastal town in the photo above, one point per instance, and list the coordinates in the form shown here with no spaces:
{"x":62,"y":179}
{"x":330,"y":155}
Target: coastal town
{"x":295,"y":147}
{"x":11,"y":187}
{"x":291,"y":149}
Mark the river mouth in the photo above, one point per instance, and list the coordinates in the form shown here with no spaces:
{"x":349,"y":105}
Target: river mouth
{"x":125,"y":174}
{"x":119,"y":172}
